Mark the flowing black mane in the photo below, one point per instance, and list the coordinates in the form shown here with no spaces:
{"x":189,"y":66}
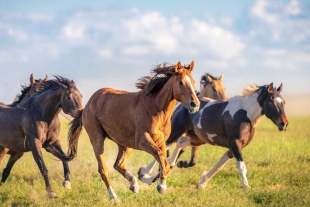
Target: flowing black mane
{"x":25,"y":89}
{"x":54,"y":84}
{"x":151,"y":85}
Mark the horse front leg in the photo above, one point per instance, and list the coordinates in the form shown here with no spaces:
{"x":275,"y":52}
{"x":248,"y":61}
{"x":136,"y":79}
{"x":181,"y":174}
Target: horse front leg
{"x":236,"y":147}
{"x":158,"y":151}
{"x":56,"y":150}
{"x":183,"y":142}
{"x":119,"y":165}
{"x":36,"y":149}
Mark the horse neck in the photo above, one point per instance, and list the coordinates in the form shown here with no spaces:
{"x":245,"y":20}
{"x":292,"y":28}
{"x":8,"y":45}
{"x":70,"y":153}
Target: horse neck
{"x":251,"y":105}
{"x":165,"y":101}
{"x":49,"y":103}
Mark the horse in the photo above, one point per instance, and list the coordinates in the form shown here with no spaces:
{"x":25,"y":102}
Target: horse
{"x":28,"y":127}
{"x":210,"y":87}
{"x":53,"y":133}
{"x":230,"y":124}
{"x":135,"y":120}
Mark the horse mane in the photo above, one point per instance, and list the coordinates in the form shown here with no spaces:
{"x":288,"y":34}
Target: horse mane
{"x":203,"y":78}
{"x":250,"y":89}
{"x":54,"y":84}
{"x":19,"y":97}
{"x":151,"y":85}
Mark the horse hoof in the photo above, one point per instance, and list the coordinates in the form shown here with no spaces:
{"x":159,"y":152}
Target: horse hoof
{"x":134,"y":188}
{"x":162,"y":189}
{"x":182,"y":164}
{"x":141,"y":171}
{"x":201,"y":186}
{"x":66,"y":184}
{"x":246,"y":187}
{"x":52,"y":195}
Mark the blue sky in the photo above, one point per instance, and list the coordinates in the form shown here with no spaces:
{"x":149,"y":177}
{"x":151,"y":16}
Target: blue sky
{"x":114,"y":43}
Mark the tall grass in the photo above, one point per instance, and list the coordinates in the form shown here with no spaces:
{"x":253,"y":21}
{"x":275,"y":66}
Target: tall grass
{"x":278,"y":166}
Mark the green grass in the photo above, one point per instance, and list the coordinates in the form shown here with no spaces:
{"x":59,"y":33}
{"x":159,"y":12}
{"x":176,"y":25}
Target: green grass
{"x":278,"y":166}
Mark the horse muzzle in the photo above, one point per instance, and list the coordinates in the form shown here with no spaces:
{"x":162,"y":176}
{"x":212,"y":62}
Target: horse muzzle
{"x":283,"y":126}
{"x":193,"y":107}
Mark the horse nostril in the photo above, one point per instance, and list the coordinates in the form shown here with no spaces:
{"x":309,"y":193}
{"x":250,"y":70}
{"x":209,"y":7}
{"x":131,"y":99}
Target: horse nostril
{"x":282,"y":123}
{"x":193,"y":104}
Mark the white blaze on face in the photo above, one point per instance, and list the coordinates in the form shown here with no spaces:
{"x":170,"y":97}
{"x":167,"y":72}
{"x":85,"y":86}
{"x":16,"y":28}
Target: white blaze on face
{"x":187,"y":78}
{"x":280,"y":100}
{"x":210,"y":137}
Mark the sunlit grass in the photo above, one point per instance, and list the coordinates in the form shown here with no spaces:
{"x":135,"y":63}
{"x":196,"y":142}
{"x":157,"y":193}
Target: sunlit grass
{"x":278,"y":166}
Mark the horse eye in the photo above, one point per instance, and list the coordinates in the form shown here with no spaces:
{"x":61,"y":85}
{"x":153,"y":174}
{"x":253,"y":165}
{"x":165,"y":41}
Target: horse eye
{"x":180,"y":83}
{"x":213,"y":89}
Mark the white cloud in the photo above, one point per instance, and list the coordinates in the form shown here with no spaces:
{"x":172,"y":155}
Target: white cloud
{"x":293,"y":8}
{"x":259,"y":10}
{"x":106,"y":53}
{"x":74,"y":31}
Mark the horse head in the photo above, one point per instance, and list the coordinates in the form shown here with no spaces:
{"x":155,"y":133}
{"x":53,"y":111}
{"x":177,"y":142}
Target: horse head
{"x":212,"y":87}
{"x":71,"y":100}
{"x":273,"y":106}
{"x":184,"y":87}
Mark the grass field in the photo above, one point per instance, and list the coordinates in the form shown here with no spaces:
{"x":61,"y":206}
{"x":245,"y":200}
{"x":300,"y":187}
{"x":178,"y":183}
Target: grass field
{"x":278,"y":166}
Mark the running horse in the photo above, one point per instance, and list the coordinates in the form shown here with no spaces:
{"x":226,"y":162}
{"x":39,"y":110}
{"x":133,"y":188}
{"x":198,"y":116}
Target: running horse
{"x":229,"y":124}
{"x":210,"y":87}
{"x":136,"y":120}
{"x":53,"y":132}
{"x":26,"y":127}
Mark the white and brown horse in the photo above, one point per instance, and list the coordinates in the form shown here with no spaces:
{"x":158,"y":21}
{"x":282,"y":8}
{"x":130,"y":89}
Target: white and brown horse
{"x":136,"y":120}
{"x":229,"y":124}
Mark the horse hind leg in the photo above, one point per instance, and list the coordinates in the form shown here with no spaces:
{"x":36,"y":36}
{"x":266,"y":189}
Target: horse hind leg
{"x":56,"y":150}
{"x":97,"y":136}
{"x":14,"y":156}
{"x":205,"y":177}
{"x":119,"y":165}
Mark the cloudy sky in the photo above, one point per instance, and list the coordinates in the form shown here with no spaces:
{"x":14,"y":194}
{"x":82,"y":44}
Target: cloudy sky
{"x":114,"y":43}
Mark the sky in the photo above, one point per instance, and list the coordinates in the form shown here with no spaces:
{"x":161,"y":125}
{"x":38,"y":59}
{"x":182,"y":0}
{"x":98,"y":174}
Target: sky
{"x":114,"y":43}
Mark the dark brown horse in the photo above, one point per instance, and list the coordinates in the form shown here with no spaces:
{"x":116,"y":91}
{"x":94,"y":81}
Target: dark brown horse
{"x":53,"y":132}
{"x":210,"y":87}
{"x":26,"y":127}
{"x":136,"y":120}
{"x":229,"y":124}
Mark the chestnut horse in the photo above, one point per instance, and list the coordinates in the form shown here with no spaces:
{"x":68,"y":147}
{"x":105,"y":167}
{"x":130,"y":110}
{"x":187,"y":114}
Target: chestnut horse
{"x":210,"y":87}
{"x":229,"y":124}
{"x":26,"y":127}
{"x":136,"y":120}
{"x":53,"y":132}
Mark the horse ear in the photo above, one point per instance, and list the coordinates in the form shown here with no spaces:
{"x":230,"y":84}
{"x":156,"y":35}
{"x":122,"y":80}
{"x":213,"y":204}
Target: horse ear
{"x":209,"y":78}
{"x":32,"y":80}
{"x":46,"y":78}
{"x":280,"y":88}
{"x":221,"y":77}
{"x":191,"y":66}
{"x":270,"y":88}
{"x":178,"y":66}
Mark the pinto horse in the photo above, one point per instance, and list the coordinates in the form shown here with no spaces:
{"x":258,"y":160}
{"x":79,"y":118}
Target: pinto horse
{"x":210,"y":87}
{"x":229,"y":124}
{"x":53,"y":132}
{"x":136,"y":120}
{"x":26,"y":127}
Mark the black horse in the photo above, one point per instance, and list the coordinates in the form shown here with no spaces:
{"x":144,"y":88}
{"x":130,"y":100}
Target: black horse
{"x":30,"y":126}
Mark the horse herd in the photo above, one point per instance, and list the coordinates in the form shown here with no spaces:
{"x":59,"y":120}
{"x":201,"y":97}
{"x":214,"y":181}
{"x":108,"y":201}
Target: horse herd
{"x":165,"y":110}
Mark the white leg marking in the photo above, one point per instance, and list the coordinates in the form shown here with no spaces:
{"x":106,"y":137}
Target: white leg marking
{"x":242,"y":170}
{"x":182,"y":142}
{"x":111,"y":193}
{"x":148,"y":169}
{"x":206,"y":176}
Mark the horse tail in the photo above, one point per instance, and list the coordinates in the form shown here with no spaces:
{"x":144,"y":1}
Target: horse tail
{"x":74,"y":133}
